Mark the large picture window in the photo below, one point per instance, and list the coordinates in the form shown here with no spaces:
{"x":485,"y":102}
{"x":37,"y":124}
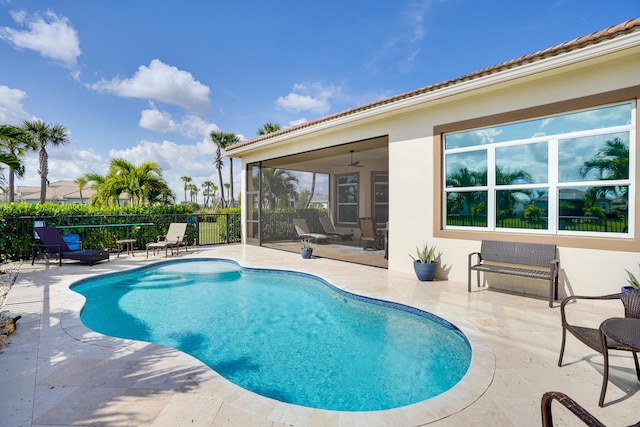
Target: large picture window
{"x":564,"y":174}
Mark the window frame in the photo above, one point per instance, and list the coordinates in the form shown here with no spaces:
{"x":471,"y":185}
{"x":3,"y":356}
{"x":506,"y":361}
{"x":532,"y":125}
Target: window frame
{"x":630,"y":242}
{"x":374,"y":203}
{"x":552,"y":183}
{"x":337,"y":199}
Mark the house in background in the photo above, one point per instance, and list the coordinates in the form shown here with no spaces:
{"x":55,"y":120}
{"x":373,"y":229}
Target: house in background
{"x":61,"y":192}
{"x":448,"y":163}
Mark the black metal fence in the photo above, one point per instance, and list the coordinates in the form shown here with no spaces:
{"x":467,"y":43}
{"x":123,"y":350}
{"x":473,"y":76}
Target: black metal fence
{"x":101,"y":231}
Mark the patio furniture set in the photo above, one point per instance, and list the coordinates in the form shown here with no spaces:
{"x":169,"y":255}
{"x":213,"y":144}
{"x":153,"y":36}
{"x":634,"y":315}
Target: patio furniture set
{"x":622,"y":334}
{"x":53,"y":244}
{"x":372,"y":238}
{"x":539,"y":261}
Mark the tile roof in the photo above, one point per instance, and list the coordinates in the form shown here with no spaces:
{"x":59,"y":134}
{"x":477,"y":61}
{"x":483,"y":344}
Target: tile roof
{"x":627,"y":27}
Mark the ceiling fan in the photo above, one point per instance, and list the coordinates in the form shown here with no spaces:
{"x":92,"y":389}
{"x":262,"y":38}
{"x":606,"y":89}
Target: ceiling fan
{"x":354,"y":163}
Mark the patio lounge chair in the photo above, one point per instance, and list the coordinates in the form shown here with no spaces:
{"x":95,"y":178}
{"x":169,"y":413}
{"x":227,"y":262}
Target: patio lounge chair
{"x":53,"y":244}
{"x":592,"y":336}
{"x":368,"y":234}
{"x":329,"y":229}
{"x":303,"y":231}
{"x":176,"y":236}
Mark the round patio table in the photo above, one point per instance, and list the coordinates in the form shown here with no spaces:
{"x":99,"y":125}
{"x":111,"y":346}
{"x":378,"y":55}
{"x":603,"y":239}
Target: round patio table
{"x":626,"y":333}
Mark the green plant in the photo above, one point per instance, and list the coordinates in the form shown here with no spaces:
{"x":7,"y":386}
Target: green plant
{"x":632,"y":279}
{"x":426,"y":255}
{"x":306,"y":244}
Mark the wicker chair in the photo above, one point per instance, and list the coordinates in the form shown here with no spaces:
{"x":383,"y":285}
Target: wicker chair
{"x":571,"y":405}
{"x":592,"y":336}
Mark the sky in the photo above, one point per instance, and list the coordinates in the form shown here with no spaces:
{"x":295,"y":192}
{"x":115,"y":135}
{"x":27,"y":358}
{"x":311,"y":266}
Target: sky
{"x":149,"y":80}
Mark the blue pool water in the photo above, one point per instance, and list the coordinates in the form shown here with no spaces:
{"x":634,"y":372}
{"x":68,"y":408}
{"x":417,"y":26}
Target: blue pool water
{"x":288,"y":336}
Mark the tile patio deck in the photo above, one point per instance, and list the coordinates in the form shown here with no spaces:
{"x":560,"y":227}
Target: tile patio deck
{"x":56,"y":372}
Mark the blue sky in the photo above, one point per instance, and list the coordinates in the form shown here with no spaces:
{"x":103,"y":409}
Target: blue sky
{"x":149,"y":80}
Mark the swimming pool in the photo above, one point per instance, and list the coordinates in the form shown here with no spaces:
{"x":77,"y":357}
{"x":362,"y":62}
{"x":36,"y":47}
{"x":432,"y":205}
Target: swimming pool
{"x":288,"y":336}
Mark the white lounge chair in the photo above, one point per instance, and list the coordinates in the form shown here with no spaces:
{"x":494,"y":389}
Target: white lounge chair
{"x":176,"y":236}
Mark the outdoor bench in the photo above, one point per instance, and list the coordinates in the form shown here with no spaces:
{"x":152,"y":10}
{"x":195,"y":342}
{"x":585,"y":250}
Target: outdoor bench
{"x":494,"y":254}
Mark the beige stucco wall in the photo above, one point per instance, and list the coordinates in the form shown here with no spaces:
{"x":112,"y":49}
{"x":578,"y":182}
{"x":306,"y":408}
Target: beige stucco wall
{"x":413,"y":185}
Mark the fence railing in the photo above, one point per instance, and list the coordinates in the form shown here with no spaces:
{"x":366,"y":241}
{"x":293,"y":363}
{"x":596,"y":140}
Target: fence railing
{"x":101,"y":231}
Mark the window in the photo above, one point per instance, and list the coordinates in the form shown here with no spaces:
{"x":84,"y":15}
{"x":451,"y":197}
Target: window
{"x":347,"y":199}
{"x":380,"y":198}
{"x":564,"y":174}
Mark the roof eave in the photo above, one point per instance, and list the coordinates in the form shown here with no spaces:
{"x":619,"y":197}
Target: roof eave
{"x":517,"y":71}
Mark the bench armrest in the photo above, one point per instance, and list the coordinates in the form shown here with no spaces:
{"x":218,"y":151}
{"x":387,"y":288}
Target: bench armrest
{"x":478,"y":254}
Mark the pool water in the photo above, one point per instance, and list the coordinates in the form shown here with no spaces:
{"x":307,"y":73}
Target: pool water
{"x":285,"y":335}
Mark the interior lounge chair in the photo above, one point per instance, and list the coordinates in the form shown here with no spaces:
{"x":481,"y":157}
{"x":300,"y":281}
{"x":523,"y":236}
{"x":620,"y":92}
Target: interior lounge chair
{"x":368,"y":234}
{"x":592,"y":336}
{"x":176,"y":236}
{"x":52,"y":243}
{"x":303,"y":231}
{"x":329,"y":229}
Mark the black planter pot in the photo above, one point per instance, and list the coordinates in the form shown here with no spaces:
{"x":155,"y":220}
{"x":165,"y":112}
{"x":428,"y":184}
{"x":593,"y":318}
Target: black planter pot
{"x":306,"y":253}
{"x":628,"y":288}
{"x":425,"y":272}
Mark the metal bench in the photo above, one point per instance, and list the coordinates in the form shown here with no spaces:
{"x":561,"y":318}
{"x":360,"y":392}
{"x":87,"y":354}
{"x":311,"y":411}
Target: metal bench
{"x":494,"y":254}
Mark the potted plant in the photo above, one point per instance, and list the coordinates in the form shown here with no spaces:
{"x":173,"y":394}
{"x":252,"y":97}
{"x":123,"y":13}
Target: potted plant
{"x":633,"y":282}
{"x":425,"y":263}
{"x":305,"y":249}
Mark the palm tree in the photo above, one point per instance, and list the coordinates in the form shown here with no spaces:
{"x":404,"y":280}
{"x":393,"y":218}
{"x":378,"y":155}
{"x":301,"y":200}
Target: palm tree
{"x":187,"y":180}
{"x":471,"y":203}
{"x":193,"y":193}
{"x":143,"y":184}
{"x":41,"y":134}
{"x":278,"y":185}
{"x":17,"y":144}
{"x":313,"y":190}
{"x":268,"y":128}
{"x":81,"y":181}
{"x":100,"y":197}
{"x":206,"y":191}
{"x":611,"y":162}
{"x":227,"y":186}
{"x":222,"y":140}
{"x":507,"y":200}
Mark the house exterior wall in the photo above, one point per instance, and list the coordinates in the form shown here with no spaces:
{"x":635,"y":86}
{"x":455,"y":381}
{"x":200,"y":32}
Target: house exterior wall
{"x":588,"y":265}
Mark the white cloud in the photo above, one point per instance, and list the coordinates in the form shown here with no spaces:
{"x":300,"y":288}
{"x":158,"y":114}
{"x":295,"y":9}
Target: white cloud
{"x":295,"y":102}
{"x":52,"y":36}
{"x":190,"y":125}
{"x":160,"y":82}
{"x":315,"y":98}
{"x":157,"y":121}
{"x":66,"y":162}
{"x":11,"y":109}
